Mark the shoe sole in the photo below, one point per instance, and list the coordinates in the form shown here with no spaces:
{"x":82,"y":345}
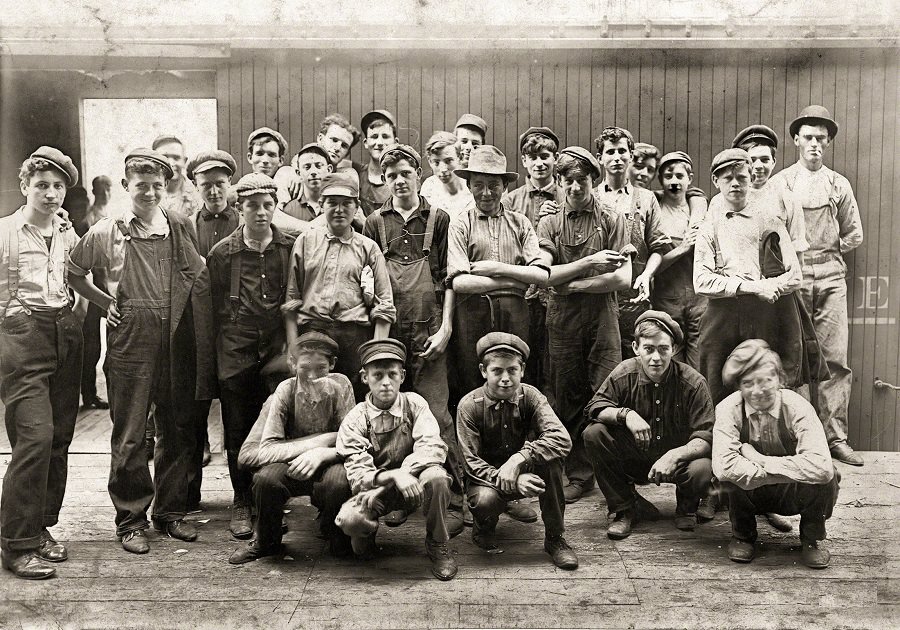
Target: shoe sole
{"x":844,"y":461}
{"x":32,"y":577}
{"x":56,"y":560}
{"x":246,"y":536}
{"x":740,"y":560}
{"x":523,"y":520}
{"x":443,"y":578}
{"x":168,"y":535}
{"x":138,"y":552}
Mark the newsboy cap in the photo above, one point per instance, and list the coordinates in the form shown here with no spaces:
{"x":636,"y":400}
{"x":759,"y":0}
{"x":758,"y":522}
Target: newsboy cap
{"x":674,"y":156}
{"x":344,"y":184}
{"x":813,"y":115}
{"x":582,"y":154}
{"x":268,"y":131}
{"x":471,"y":120}
{"x":377,"y":349}
{"x":374,"y":115}
{"x":538,"y":131}
{"x":165,"y":139}
{"x":208,"y":160}
{"x":502,"y":341}
{"x":664,"y":321}
{"x":152,"y":156}
{"x":745,"y":358}
{"x":404,"y":150}
{"x":728,"y":158}
{"x":60,"y":161}
{"x":314,"y":147}
{"x":758,"y":134}
{"x":255,"y":183}
{"x":314,"y":340}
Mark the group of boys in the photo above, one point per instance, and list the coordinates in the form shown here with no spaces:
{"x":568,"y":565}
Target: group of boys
{"x":344,"y":314}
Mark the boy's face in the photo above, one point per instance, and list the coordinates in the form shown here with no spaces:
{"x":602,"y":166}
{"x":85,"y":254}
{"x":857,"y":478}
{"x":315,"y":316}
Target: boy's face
{"x":383,"y":378}
{"x":257,"y":211}
{"x":213,"y":186}
{"x":466,"y":140}
{"x":675,"y":178}
{"x":762,"y":163}
{"x":339,"y":212}
{"x":379,"y":136}
{"x":265,"y":157}
{"x":540,"y":165}
{"x":444,"y":163}
{"x":615,"y":156}
{"x":733,"y":183}
{"x":642,"y":171}
{"x":760,"y":387}
{"x":310,"y":363}
{"x":812,"y":140}
{"x":402,"y":179}
{"x":311,"y":168}
{"x":175,"y":152}
{"x":577,"y":188}
{"x":655,"y":354}
{"x":145,"y":189}
{"x":45,"y":191}
{"x":503,"y":375}
{"x":337,"y":142}
{"x":487,"y":190}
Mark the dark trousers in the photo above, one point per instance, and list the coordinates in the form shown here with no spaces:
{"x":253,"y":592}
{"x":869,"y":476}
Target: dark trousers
{"x":813,"y":502}
{"x":201,"y":436}
{"x":91,"y":332}
{"x":619,"y":464}
{"x":350,"y":337}
{"x":487,"y":503}
{"x":139,"y":372}
{"x":436,"y":489}
{"x":538,"y":365}
{"x":687,"y":310}
{"x":40,"y":356}
{"x":272,"y":488}
{"x":242,"y":397}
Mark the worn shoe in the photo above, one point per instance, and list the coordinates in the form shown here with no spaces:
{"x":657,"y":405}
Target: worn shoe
{"x":563,"y":555}
{"x":26,"y":565}
{"x":779,"y":522}
{"x":844,"y":453}
{"x":180,"y":529}
{"x":455,"y":521}
{"x":50,"y":550}
{"x":685,"y":522}
{"x":95,"y":403}
{"x":706,"y":511}
{"x":645,"y":509}
{"x":741,"y":550}
{"x":443,"y":564}
{"x":240,"y":526}
{"x":621,"y":526}
{"x":486,"y":540}
{"x":468,"y":519}
{"x":573,"y":492}
{"x":521,"y":512}
{"x":252,"y":551}
{"x":813,"y":557}
{"x":207,"y":454}
{"x":395,"y":518}
{"x":135,"y":541}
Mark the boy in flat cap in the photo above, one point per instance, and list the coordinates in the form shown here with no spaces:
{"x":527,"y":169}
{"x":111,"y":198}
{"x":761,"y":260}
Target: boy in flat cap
{"x":248,"y":278}
{"x":471,"y":132}
{"x":181,"y":195}
{"x":379,"y":131}
{"x":160,"y":347}
{"x":291,"y":448}
{"x":833,"y":228}
{"x":586,"y":247}
{"x":311,"y":166}
{"x":394,"y":457}
{"x":652,"y":422}
{"x":445,"y":189}
{"x":770,"y":454}
{"x":324,"y":290}
{"x":514,"y":447}
{"x":40,"y":362}
{"x":211,"y":172}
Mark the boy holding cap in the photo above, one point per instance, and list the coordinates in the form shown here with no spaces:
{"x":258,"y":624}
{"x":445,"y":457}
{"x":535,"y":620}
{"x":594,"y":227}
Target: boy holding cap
{"x":324,"y":291}
{"x":394,"y":458}
{"x":40,"y":362}
{"x":379,"y":130}
{"x":586,"y":249}
{"x":291,"y":449}
{"x":181,"y":195}
{"x":470,"y":131}
{"x":513,"y":447}
{"x":160,"y":348}
{"x":771,"y":455}
{"x":445,"y":190}
{"x":652,"y":421}
{"x":833,"y":228}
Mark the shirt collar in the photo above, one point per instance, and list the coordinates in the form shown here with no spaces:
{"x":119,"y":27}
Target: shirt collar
{"x":396,"y":409}
{"x":423,"y":210}
{"x":481,"y":215}
{"x":775,"y":411}
{"x":329,"y":235}
{"x":237,"y":243}
{"x":209,"y":215}
{"x":586,"y":209}
{"x":550,"y":188}
{"x":625,"y":190}
{"x":498,"y":402}
{"x":643,"y":379}
{"x":55,"y":221}
{"x":128,"y":216}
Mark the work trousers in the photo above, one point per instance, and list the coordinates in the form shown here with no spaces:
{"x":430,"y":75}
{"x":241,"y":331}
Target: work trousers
{"x":687,"y":311}
{"x":619,"y":465}
{"x":40,"y":359}
{"x":538,"y":365}
{"x":91,"y":332}
{"x":201,"y":436}
{"x":349,"y":337}
{"x":242,"y":397}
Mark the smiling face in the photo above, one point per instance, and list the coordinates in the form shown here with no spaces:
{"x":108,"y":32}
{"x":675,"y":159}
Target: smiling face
{"x":213,"y":186}
{"x":339,"y":212}
{"x":577,"y":188}
{"x":762,"y":163}
{"x":812,"y":140}
{"x":145,"y":189}
{"x":337,"y":142}
{"x":654,"y":353}
{"x":615,"y":157}
{"x":265,"y":157}
{"x":383,"y":377}
{"x":257,"y":211}
{"x":443,"y":163}
{"x":379,"y":136}
{"x":487,"y":190}
{"x":174,"y":151}
{"x":642,"y":171}
{"x":759,"y":388}
{"x":733,"y":183}
{"x":466,"y":140}
{"x":503,"y":373}
{"x":311,"y":168}
{"x":675,"y":178}
{"x":45,"y":191}
{"x":539,"y":166}
{"x":402,"y":178}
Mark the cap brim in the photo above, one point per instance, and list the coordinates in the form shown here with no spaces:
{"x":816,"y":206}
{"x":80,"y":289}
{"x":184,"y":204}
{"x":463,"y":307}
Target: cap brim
{"x":466,"y":173}
{"x":503,"y":346}
{"x":211,"y":164}
{"x":62,"y":170}
{"x":728,"y":164}
{"x":340,"y":191}
{"x":379,"y":356}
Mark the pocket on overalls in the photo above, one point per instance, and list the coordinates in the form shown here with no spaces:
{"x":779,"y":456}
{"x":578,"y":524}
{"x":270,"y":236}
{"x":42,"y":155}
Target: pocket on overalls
{"x":18,"y":324}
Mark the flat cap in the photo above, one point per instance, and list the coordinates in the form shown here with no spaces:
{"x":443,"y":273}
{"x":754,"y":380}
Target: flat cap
{"x":646,"y":149}
{"x":207,"y":160}
{"x":354,"y":521}
{"x":674,"y":156}
{"x":585,"y":156}
{"x":152,"y":156}
{"x":59,"y":160}
{"x":165,"y":139}
{"x":728,"y":158}
{"x":268,"y":131}
{"x":664,"y":321}
{"x":757,"y":134}
{"x":374,"y":115}
{"x":314,"y":340}
{"x":314,"y":147}
{"x":404,"y":150}
{"x":344,"y":184}
{"x":538,"y":131}
{"x":502,"y":341}
{"x":471,"y":120}
{"x":745,"y":358}
{"x":813,"y":115}
{"x":254,"y":184}
{"x":377,"y":349}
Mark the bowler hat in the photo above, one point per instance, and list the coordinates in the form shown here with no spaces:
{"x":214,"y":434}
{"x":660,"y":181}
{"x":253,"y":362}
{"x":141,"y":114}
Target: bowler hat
{"x":487,"y":160}
{"x":814,"y":115}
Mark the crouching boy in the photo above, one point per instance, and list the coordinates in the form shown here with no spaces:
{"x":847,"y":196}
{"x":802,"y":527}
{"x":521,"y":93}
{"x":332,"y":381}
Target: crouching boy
{"x":394,"y":458}
{"x":494,"y":424}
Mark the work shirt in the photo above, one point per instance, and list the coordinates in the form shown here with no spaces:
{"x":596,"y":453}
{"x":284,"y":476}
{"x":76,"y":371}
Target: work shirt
{"x":811,"y":462}
{"x":454,"y":205}
{"x":642,"y":228}
{"x":187,"y":202}
{"x":527,"y":199}
{"x":354,"y":445}
{"x":571,"y":235}
{"x":371,"y":195}
{"x":325,"y":276}
{"x":42,"y":269}
{"x":212,"y":227}
{"x":678,"y":409}
{"x":301,"y":208}
{"x":491,"y":431}
{"x":288,"y":224}
{"x":677,"y":279}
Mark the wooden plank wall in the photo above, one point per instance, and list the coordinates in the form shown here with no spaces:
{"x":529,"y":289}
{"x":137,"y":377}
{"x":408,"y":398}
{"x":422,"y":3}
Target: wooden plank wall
{"x":678,"y":100}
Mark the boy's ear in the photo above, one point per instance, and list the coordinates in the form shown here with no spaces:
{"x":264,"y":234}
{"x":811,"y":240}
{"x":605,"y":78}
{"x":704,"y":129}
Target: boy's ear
{"x":523,"y":159}
{"x":483,"y":370}
{"x":332,"y":363}
{"x":249,"y":153}
{"x":715,"y":180}
{"x":402,"y":375}
{"x":363,"y":375}
{"x":23,"y":186}
{"x":634,"y":347}
{"x":124,"y":183}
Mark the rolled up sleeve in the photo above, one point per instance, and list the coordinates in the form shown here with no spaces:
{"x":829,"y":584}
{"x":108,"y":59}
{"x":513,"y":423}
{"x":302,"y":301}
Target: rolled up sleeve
{"x":428,"y":447}
{"x":727,"y":462}
{"x":658,"y":242}
{"x":296,"y":278}
{"x":458,"y":262}
{"x":707,"y":281}
{"x":552,"y":441}
{"x":383,"y":307}
{"x":468,"y":429}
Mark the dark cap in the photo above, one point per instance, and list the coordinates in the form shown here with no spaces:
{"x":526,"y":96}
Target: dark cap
{"x":814,"y":115}
{"x":745,"y":358}
{"x":344,"y":184}
{"x":165,"y":139}
{"x":728,"y":158}
{"x":664,"y":321}
{"x":538,"y":131}
{"x":207,"y":160}
{"x":674,"y":156}
{"x":404,"y":150}
{"x":59,"y":160}
{"x":502,"y":341}
{"x":471,"y":120}
{"x":268,"y":131}
{"x":314,"y":340}
{"x":582,"y":154}
{"x":314,"y":147}
{"x":757,"y":134}
{"x":374,"y":115}
{"x":377,"y":349}
{"x":152,"y":156}
{"x":255,"y":183}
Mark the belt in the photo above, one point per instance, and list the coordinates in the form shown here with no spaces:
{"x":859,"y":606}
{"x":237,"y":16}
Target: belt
{"x":818,"y":259}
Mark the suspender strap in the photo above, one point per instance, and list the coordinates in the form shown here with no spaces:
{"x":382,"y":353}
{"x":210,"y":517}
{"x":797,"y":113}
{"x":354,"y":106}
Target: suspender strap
{"x":429,"y":231}
{"x":234,"y":294}
{"x":13,"y":263}
{"x":285,"y":256}
{"x":784,"y":433}
{"x":382,"y":232}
